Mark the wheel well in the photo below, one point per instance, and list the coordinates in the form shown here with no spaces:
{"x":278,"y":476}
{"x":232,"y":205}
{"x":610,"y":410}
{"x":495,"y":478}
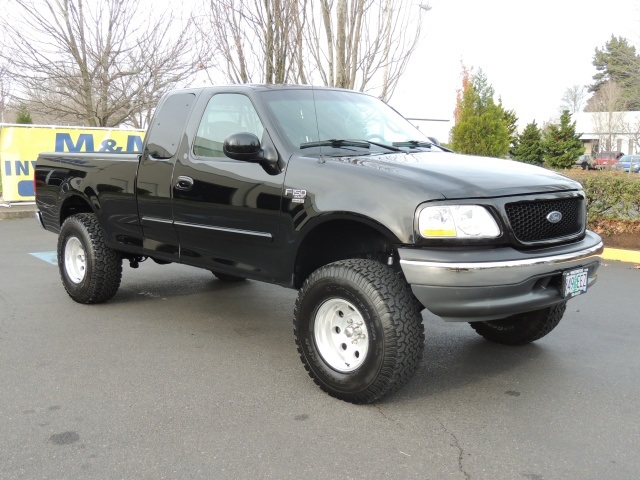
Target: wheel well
{"x":339,"y":240}
{"x":73,"y":205}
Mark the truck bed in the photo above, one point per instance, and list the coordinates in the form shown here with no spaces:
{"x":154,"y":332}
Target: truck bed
{"x":105,"y":180}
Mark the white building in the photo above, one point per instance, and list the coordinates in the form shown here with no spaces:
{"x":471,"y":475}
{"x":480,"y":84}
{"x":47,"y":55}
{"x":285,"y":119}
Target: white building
{"x":609,"y":131}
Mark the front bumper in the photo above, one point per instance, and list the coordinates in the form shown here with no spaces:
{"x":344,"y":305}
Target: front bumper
{"x":488,"y":284}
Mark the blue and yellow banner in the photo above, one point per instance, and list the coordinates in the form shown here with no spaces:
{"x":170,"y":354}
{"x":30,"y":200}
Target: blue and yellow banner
{"x":21,"y":144}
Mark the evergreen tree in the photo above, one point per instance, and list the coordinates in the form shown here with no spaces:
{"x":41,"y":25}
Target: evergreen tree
{"x":24,"y":117}
{"x":482,"y":127}
{"x":511,"y":122}
{"x":528,"y":146}
{"x":619,"y":62}
{"x":561,"y":144}
{"x":484,"y":91}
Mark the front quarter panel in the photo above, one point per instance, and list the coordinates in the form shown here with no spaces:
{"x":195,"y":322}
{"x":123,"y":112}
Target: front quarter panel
{"x":316,"y":187}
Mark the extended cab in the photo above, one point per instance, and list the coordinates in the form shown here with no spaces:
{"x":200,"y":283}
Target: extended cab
{"x":333,"y":193}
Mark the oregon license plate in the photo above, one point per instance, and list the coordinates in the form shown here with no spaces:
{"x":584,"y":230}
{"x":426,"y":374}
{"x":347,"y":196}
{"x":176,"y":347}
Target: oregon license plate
{"x":574,"y":282}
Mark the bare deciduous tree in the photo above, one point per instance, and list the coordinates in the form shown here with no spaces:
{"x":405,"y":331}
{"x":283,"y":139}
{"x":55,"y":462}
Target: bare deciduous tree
{"x":97,"y":63}
{"x":363,"y":44}
{"x":608,"y":118}
{"x":574,"y":99}
{"x":5,"y":91}
{"x":253,"y":40}
{"x":358,"y":44}
{"x":632,"y":130}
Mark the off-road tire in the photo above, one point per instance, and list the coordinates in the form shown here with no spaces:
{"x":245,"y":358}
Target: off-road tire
{"x":226,"y":277}
{"x":391,"y":316}
{"x":90,"y":271}
{"x":523,"y":328}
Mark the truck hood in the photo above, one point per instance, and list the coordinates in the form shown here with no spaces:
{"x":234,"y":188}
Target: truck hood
{"x":456,"y":176}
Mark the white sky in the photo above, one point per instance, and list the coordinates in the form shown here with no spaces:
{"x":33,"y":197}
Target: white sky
{"x":530,"y":51}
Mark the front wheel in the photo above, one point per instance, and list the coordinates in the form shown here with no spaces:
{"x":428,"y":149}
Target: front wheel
{"x":522,"y":328}
{"x":90,"y":271}
{"x":358,"y":329}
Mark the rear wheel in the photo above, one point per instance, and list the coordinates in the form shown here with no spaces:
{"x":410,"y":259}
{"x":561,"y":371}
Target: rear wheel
{"x":358,"y":329}
{"x":90,"y":271}
{"x":522,"y":328}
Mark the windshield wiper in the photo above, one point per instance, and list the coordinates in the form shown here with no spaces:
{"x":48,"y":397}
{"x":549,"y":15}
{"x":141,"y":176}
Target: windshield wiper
{"x":421,"y":144}
{"x":388,"y":147}
{"x":336,"y":143}
{"x":413,"y":144}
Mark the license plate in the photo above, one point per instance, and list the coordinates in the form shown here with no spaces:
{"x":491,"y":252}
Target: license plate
{"x":574,"y":282}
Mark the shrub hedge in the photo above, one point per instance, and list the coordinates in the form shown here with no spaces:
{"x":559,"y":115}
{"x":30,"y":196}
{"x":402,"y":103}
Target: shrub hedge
{"x":610,"y":195}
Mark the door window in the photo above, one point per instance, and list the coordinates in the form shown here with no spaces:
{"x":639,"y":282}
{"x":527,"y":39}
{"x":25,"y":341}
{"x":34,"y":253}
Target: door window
{"x":226,"y":113}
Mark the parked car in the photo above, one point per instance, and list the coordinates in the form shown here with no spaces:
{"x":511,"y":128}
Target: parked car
{"x":604,"y":160}
{"x":627,"y":162}
{"x":585,"y":161}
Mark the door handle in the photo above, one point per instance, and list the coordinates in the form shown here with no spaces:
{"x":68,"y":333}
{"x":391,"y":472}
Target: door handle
{"x":184,"y":183}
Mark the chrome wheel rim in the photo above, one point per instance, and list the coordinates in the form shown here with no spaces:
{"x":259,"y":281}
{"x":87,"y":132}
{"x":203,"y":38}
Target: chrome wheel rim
{"x":75,"y":260}
{"x":341,"y":335}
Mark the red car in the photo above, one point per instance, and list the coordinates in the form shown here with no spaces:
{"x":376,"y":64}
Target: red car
{"x":604,"y":160}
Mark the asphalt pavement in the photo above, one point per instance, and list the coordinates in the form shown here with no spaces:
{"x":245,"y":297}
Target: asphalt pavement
{"x":183,"y":376}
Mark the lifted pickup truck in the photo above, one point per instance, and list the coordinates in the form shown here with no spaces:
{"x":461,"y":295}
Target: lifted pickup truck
{"x":333,"y":193}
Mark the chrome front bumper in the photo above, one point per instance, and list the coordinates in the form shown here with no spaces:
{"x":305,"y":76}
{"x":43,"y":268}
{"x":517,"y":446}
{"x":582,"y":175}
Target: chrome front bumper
{"x":487,"y":284}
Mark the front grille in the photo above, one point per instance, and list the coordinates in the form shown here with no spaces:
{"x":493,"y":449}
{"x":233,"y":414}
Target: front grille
{"x":529,"y":219}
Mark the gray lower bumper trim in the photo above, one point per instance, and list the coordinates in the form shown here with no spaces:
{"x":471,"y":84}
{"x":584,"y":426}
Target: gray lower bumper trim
{"x":475,"y":274}
{"x":499,"y":282}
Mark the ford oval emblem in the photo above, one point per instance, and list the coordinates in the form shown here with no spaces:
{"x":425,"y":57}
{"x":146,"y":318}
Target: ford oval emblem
{"x":554,"y":217}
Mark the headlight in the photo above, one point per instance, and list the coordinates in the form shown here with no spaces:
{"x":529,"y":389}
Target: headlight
{"x":457,"y":221}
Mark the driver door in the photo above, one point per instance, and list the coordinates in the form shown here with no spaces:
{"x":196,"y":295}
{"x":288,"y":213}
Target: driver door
{"x":226,"y":212}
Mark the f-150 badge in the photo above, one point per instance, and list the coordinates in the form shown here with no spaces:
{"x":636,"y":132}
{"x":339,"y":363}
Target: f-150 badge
{"x":297,"y":196}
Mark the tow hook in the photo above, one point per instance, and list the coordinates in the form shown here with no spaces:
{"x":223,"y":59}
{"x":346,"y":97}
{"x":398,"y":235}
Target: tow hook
{"x":134,"y":262}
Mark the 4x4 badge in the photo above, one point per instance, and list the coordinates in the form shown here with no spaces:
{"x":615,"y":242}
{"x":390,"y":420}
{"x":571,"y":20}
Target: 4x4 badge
{"x":554,"y":217}
{"x":297,"y":195}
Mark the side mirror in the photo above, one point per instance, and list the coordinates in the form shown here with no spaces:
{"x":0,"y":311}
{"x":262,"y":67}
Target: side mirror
{"x":246,"y":147}
{"x":243,"y":146}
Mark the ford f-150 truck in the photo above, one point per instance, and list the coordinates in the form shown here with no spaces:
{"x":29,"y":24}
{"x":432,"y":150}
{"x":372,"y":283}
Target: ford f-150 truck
{"x":333,"y":193}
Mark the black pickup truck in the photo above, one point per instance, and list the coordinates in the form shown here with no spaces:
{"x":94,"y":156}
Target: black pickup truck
{"x":335,"y":194}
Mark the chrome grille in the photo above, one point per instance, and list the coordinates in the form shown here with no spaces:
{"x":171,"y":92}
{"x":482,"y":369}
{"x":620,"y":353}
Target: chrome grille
{"x":529,"y":221}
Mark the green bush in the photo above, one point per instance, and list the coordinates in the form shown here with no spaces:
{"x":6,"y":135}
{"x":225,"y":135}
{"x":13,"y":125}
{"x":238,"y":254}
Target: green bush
{"x":613,"y":195}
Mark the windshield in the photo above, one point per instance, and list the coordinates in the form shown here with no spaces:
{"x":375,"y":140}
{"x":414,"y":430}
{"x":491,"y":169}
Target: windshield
{"x":341,"y":120}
